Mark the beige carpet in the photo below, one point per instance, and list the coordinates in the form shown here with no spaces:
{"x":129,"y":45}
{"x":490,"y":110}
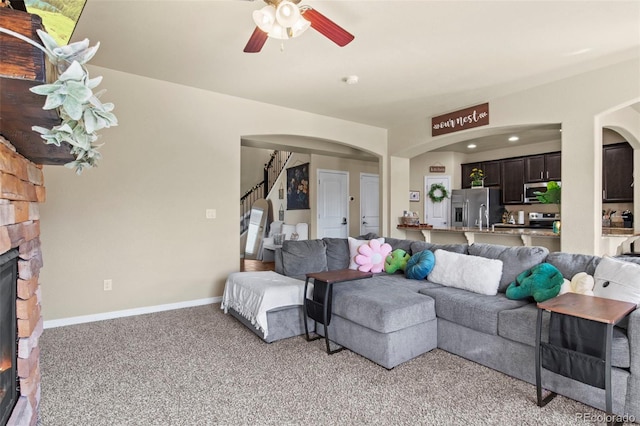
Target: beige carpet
{"x":198,"y":366}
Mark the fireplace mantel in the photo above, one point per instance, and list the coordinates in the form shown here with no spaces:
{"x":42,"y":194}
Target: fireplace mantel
{"x":22,"y":67}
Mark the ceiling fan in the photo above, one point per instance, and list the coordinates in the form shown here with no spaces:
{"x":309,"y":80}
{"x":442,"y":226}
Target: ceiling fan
{"x":284,"y":19}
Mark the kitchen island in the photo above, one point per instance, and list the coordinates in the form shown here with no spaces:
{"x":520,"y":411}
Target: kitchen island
{"x":614,"y":240}
{"x":504,"y":235}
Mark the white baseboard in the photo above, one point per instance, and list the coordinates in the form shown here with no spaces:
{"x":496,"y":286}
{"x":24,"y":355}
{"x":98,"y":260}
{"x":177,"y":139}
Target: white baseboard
{"x":129,"y":312}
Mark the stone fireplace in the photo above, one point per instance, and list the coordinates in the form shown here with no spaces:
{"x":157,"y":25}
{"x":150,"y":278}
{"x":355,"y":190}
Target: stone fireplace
{"x":8,"y":334}
{"x":21,"y":189}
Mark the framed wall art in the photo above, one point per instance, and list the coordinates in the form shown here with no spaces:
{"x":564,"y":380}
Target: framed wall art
{"x":414,"y":196}
{"x":298,"y":187}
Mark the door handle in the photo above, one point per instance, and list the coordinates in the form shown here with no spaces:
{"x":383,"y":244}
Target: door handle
{"x":364,"y":222}
{"x":344,"y":221}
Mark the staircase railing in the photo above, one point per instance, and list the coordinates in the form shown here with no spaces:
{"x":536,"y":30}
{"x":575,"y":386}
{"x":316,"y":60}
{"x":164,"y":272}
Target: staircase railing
{"x":272,"y":170}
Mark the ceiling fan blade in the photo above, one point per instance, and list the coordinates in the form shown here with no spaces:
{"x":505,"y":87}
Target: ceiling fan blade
{"x":256,"y":41}
{"x":327,"y":27}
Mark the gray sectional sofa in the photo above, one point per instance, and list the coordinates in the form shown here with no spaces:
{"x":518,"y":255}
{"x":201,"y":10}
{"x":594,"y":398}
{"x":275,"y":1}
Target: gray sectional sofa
{"x":390,"y":319}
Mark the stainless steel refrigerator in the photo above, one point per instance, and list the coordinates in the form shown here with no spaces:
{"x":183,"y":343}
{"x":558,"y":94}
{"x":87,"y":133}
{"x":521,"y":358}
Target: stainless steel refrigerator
{"x":466,"y":205}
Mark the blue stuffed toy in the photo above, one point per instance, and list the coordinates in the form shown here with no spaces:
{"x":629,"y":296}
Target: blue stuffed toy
{"x":543,"y":282}
{"x":420,"y":265}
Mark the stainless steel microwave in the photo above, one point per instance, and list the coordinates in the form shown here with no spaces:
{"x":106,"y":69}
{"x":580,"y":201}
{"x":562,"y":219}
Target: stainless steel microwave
{"x":530,"y":188}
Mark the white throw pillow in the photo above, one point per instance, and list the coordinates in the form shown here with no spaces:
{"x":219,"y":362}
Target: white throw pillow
{"x":467,"y":272}
{"x":353,"y":250}
{"x":617,"y":279}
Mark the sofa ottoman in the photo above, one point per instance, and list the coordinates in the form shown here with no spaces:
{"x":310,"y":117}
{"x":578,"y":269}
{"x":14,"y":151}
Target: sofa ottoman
{"x":384,"y":319}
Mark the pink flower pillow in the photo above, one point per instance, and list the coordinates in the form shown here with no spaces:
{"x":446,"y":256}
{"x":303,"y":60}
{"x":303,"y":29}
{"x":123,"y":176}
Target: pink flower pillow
{"x":371,"y":256}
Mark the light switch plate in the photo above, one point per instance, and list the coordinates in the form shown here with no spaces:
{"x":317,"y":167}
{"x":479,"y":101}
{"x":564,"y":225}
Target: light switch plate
{"x":210,"y":213}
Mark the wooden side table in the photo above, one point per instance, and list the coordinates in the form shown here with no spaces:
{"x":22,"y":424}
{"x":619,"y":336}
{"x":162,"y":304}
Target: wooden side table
{"x":605,"y":311}
{"x":319,"y":308}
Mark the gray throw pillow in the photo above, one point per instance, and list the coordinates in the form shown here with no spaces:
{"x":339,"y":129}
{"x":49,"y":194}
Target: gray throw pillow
{"x":418,"y":246}
{"x":397,"y":243}
{"x":369,"y":236}
{"x":454,"y":248}
{"x":628,"y":258}
{"x":570,"y":264}
{"x":515,"y":260}
{"x":337,"y":253}
{"x":303,"y":257}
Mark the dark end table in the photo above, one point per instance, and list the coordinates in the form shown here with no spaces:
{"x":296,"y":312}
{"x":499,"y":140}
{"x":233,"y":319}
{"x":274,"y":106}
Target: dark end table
{"x":605,"y":311}
{"x":319,"y":307}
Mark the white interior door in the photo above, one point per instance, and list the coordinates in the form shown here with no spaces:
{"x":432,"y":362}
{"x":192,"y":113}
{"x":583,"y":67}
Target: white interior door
{"x":436,"y":214}
{"x":369,"y":203}
{"x":333,"y":206}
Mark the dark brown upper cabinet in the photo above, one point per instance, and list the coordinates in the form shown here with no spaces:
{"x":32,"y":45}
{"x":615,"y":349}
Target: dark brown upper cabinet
{"x":617,"y":173}
{"x":492,"y":173}
{"x":513,"y":181}
{"x":543,"y":167}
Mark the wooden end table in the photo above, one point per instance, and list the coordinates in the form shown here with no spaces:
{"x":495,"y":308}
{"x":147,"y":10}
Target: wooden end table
{"x":319,"y":308}
{"x":601,"y":310}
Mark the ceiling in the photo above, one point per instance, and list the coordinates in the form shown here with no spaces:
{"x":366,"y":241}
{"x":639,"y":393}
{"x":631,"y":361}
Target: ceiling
{"x":414,"y":59}
{"x":526,"y":135}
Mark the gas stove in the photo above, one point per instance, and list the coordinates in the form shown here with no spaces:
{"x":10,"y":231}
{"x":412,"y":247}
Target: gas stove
{"x":542,"y":220}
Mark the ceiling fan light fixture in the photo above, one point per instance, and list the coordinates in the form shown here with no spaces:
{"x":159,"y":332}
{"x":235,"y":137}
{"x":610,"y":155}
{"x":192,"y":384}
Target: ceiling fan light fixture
{"x":283,"y":19}
{"x":287,"y":14}
{"x":299,"y":27}
{"x":265,"y":18}
{"x":279,"y":32}
{"x":283,"y":33}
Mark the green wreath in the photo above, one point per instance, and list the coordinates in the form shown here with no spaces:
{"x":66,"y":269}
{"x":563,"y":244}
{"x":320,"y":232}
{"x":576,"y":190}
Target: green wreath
{"x":434,"y":189}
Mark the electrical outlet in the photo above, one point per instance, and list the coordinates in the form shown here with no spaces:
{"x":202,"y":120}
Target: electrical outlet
{"x":210,"y":213}
{"x":108,"y":285}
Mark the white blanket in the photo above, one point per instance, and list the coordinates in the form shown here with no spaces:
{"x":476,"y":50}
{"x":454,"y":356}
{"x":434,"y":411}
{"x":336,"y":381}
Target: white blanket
{"x":252,"y":294}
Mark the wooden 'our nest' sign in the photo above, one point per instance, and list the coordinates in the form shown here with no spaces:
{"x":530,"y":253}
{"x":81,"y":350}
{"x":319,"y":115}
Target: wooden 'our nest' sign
{"x":463,"y":119}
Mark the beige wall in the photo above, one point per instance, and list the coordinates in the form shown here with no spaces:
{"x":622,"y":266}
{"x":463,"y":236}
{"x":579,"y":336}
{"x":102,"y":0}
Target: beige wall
{"x":139,"y":218}
{"x":252,"y":161}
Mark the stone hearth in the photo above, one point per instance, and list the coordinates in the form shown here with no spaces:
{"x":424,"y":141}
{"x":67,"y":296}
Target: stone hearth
{"x":21,"y":189}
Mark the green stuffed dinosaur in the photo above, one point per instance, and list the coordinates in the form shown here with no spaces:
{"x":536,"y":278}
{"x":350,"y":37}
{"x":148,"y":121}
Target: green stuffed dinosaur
{"x":543,"y":282}
{"x":396,"y":261}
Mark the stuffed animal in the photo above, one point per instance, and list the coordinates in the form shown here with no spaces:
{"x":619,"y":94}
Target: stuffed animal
{"x":372,"y":256}
{"x":581,"y":283}
{"x":420,"y":265}
{"x":543,"y":282}
{"x":396,"y":261}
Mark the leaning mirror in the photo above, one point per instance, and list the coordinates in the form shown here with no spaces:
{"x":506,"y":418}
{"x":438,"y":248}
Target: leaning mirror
{"x":257,"y":225}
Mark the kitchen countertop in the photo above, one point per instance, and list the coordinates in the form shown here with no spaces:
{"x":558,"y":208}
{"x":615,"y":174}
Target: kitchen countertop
{"x":618,"y":231}
{"x":509,"y":230}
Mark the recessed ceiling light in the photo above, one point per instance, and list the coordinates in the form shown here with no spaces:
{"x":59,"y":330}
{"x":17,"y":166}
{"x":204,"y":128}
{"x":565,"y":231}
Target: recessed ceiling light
{"x":513,"y":139}
{"x":472,"y":145}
